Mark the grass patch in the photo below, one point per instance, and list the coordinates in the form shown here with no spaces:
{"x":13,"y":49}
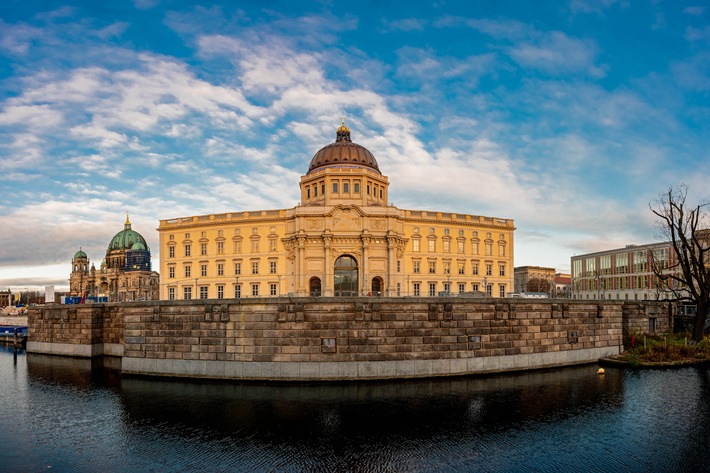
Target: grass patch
{"x":674,"y":348}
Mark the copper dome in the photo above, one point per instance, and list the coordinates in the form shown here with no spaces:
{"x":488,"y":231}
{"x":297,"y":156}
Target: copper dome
{"x":343,"y":152}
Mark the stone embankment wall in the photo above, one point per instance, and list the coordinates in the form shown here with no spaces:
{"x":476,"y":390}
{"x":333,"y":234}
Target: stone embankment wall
{"x":331,"y":338}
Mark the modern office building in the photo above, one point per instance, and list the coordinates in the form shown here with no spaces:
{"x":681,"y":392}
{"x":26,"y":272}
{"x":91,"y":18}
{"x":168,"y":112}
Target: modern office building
{"x":125,"y":274}
{"x":622,"y":274}
{"x":344,"y":238}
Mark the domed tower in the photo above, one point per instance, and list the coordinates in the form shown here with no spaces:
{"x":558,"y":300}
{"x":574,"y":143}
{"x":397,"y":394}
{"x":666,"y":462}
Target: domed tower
{"x":126,"y":273}
{"x":344,"y":172}
{"x":121,"y":244}
{"x":80,"y":275}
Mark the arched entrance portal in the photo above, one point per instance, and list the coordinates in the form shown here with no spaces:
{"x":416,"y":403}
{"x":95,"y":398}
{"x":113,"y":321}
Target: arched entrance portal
{"x":345,"y":276}
{"x":376,"y":287}
{"x":314,"y":287}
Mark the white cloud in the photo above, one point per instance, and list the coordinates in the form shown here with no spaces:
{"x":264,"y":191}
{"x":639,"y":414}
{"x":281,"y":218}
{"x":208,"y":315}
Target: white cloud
{"x":557,"y":53}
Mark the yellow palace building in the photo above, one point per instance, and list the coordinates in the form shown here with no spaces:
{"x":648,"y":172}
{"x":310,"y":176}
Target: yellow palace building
{"x":343,"y":239}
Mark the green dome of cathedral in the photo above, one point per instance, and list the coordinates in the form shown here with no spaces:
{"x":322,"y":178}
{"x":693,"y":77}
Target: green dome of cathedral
{"x":80,"y":254}
{"x":126,"y":239}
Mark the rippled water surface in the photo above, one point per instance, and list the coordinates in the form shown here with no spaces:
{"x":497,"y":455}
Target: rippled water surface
{"x":60,"y":414}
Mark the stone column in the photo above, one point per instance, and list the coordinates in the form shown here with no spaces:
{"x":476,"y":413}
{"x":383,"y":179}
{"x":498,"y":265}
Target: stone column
{"x":301,"y":258}
{"x":364,"y":266}
{"x":391,"y":269}
{"x":326,"y":284}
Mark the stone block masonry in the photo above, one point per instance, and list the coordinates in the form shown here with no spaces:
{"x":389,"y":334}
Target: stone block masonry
{"x":332,"y":338}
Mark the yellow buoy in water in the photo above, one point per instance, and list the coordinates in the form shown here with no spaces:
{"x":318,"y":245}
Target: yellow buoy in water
{"x":600,"y":371}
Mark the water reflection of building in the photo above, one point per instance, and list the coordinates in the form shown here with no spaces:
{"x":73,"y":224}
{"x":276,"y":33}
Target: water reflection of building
{"x":125,"y":273}
{"x":344,"y":238}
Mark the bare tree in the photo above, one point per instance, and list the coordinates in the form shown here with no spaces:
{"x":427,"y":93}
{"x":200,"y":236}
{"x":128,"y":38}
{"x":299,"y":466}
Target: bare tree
{"x":687,"y":276}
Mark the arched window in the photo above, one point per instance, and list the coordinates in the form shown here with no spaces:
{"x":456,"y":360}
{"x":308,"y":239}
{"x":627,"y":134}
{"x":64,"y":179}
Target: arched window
{"x":377,"y":284}
{"x":314,"y":287}
{"x":346,"y":277}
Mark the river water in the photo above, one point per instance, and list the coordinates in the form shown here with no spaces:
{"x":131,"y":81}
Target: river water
{"x":70,"y":415}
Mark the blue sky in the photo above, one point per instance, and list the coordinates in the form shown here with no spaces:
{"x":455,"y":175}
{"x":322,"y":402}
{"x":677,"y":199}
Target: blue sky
{"x":568,"y":117}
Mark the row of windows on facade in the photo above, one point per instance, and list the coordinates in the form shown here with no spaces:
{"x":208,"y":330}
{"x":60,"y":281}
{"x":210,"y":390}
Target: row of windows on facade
{"x":372,"y":188}
{"x":416,"y":247}
{"x":624,"y":282}
{"x":272,"y":231}
{"x":433,"y":290}
{"x":273,"y":268}
{"x":642,"y":261}
{"x":416,"y":268}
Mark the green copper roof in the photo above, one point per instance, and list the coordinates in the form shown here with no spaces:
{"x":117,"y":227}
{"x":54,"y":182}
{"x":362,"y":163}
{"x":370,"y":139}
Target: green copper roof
{"x":79,"y":254}
{"x":126,"y":239}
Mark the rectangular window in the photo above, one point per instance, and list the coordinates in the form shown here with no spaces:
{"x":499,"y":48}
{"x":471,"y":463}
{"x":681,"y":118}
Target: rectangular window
{"x":237,"y":291}
{"x":188,"y":250}
{"x":220,"y":247}
{"x":489,"y":289}
{"x":432,"y":289}
{"x":447,"y":288}
{"x":474,"y":287}
{"x":255,"y":267}
{"x":417,"y":289}
{"x":203,"y":249}
{"x":237,"y":269}
{"x":272,"y":244}
{"x":474,"y":248}
{"x":462,"y":268}
{"x":432,"y":267}
{"x":187,"y":293}
{"x":237,"y":246}
{"x":432,"y":246}
{"x":220,"y":269}
{"x":501,"y":250}
{"x":399,"y":289}
{"x":501,"y":270}
{"x":460,"y":247}
{"x":356,"y":187}
{"x":255,"y":246}
{"x":416,"y":267}
{"x":489,"y":249}
{"x":272,"y":267}
{"x":171,"y":293}
{"x":335,"y":188}
{"x":203,"y":292}
{"x":272,"y":289}
{"x":254,"y":289}
{"x":475,"y":269}
{"x":489,"y":269}
{"x":462,"y":287}
{"x":171,"y":272}
{"x":188,"y":271}
{"x":346,"y":187}
{"x":447,"y":246}
{"x":447,"y":267}
{"x":415,"y":246}
{"x":399,"y":266}
{"x":501,"y":290}
{"x":203,"y":270}
{"x":220,"y":291}
{"x":171,"y":252}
